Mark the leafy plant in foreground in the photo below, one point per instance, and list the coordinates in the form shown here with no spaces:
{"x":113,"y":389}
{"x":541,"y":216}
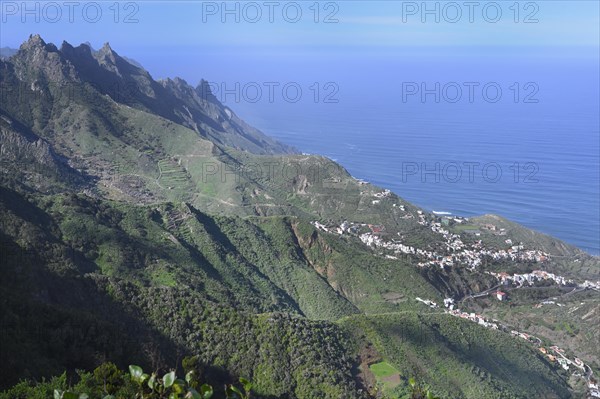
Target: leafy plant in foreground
{"x":168,"y":387}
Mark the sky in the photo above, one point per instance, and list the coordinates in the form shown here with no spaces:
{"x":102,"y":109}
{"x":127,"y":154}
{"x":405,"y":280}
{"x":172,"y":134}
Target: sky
{"x":188,"y":33}
{"x":304,"y":23}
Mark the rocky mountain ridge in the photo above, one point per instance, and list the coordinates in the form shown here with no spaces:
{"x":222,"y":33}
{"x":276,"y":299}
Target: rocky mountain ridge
{"x":153,"y":201}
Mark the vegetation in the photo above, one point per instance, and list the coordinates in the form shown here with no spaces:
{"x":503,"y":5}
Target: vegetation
{"x":457,"y":358}
{"x":136,"y":229}
{"x":108,"y":382}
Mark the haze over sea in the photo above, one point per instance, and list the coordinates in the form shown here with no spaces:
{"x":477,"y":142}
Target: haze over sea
{"x":391,"y":141}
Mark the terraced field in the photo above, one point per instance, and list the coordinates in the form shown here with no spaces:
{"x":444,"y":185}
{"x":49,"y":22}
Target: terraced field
{"x":172,"y":176}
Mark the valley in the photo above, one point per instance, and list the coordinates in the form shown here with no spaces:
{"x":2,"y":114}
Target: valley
{"x":153,"y":224}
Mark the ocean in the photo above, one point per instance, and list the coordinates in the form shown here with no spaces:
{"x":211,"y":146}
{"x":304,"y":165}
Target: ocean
{"x":513,"y":132}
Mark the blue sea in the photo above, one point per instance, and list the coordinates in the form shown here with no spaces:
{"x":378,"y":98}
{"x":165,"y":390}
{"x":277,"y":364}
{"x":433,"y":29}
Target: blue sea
{"x":531,"y":154}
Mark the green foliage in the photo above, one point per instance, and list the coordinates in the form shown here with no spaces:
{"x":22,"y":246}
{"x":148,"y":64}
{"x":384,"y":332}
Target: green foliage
{"x":143,"y":270}
{"x":108,"y":376}
{"x":418,"y":391}
{"x":136,"y":384}
{"x":457,"y":358}
{"x":241,"y":293}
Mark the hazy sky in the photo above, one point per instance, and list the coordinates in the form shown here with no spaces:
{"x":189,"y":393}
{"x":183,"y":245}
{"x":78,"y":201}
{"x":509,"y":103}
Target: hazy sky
{"x":222,"y":40}
{"x":304,"y":23}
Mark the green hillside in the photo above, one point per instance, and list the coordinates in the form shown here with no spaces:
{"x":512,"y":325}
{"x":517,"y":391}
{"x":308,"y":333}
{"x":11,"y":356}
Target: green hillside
{"x":147,"y":225}
{"x":457,"y":358}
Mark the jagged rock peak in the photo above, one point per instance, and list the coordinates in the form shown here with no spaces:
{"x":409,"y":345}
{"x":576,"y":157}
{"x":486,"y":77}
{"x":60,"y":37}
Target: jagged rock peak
{"x":82,"y":49}
{"x":86,"y":48}
{"x":106,"y":53}
{"x":106,"y":49}
{"x":109,"y":59}
{"x":180,"y":81}
{"x":174,"y":81}
{"x":204,"y":91}
{"x":203,"y":84}
{"x":65,"y":46}
{"x":36,"y":42}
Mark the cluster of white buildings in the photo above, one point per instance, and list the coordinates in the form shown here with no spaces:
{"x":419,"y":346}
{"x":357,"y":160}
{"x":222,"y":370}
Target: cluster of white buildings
{"x":531,"y":278}
{"x":541,"y":275}
{"x":594,"y":285}
{"x":457,"y":252}
{"x":475,"y":318}
{"x":395,"y":246}
{"x":320,"y":226}
{"x":548,"y":302}
{"x":449,"y":304}
{"x":471,"y":256}
{"x":380,"y":195}
{"x":383,"y":194}
{"x":517,"y":253}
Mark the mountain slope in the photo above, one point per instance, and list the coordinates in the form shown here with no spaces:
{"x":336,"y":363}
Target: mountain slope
{"x":458,"y":358}
{"x":143,"y":221}
{"x":111,"y":282}
{"x":171,"y":280}
{"x":77,"y":71}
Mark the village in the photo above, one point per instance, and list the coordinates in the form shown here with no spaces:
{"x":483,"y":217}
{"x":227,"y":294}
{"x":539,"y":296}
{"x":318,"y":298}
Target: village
{"x":553,"y":354}
{"x":457,"y":252}
{"x":472,"y":256}
{"x":530,"y":279}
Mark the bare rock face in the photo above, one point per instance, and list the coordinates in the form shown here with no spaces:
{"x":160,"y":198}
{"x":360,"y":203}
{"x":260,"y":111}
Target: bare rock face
{"x":37,"y":60}
{"x":39,"y":65}
{"x":300,"y":184}
{"x":15,"y":147}
{"x":27,"y":158}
